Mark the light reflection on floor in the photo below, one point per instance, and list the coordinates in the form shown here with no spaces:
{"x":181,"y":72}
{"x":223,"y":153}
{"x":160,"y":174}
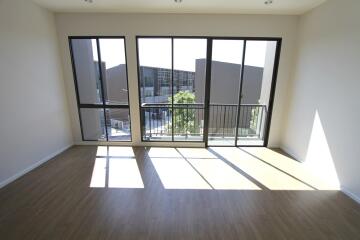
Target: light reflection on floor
{"x":215,"y":168}
{"x":115,"y":167}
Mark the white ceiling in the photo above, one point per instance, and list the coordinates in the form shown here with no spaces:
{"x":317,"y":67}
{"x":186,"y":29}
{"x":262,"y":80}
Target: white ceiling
{"x":291,"y":7}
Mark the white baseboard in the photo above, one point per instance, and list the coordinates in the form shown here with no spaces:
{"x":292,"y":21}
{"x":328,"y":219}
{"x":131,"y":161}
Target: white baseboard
{"x":350,"y":195}
{"x":35,"y":165}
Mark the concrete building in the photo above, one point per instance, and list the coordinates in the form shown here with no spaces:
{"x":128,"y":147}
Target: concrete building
{"x":155,"y":83}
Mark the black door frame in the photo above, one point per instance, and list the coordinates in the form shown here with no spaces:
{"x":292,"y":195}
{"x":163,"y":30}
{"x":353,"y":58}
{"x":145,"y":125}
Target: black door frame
{"x":272,"y":90}
{"x":172,"y":86}
{"x":210,"y":39}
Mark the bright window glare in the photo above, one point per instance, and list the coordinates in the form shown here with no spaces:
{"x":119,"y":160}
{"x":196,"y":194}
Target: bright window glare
{"x":255,"y":53}
{"x":94,"y":49}
{"x":186,"y":51}
{"x":124,"y":173}
{"x":229,"y":51}
{"x":155,"y":52}
{"x":112,"y":51}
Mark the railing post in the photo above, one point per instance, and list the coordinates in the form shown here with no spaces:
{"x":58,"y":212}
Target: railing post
{"x":150,"y":119}
{"x":187,"y":119}
{"x":224,"y":121}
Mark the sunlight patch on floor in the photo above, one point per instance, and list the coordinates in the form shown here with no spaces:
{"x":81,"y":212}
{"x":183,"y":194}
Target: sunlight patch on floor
{"x":177,"y":173}
{"x":163,"y":153}
{"x":195,"y":153}
{"x":115,"y":151}
{"x":124,"y":173}
{"x":220,"y":175}
{"x":98,"y":178}
{"x":102,"y":151}
{"x":115,"y":167}
{"x":267,"y":175}
{"x":215,"y":168}
{"x":290,"y":166}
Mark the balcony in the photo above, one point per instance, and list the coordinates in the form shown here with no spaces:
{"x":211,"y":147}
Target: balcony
{"x":185,"y":122}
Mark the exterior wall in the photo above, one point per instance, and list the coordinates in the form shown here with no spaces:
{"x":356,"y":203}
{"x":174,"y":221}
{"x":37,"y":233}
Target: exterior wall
{"x":225,"y":80}
{"x":114,"y":82}
{"x":86,"y":77}
{"x":323,"y":115}
{"x":267,"y":73}
{"x":116,"y":89}
{"x":33,"y":107}
{"x":131,"y":25}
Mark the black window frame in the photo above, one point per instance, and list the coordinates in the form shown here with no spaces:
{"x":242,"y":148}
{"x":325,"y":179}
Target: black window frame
{"x":206,"y":104}
{"x":103,"y":105}
{"x":171,"y":84}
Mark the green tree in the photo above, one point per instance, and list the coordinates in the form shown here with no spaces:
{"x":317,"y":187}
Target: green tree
{"x":184,"y":112}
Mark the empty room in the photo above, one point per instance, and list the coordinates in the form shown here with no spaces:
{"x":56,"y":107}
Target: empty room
{"x":179,"y":119}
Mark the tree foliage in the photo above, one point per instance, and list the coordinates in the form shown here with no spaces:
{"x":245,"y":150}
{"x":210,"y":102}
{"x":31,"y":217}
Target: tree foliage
{"x":183,"y":113}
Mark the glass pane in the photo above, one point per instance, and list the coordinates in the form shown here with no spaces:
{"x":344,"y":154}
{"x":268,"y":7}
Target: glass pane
{"x":155,"y":62}
{"x":87,"y":70}
{"x":118,"y":124}
{"x":155,"y":69}
{"x":93,"y":124}
{"x":224,"y":92}
{"x":113,"y":64}
{"x":189,"y":88}
{"x":157,"y":123}
{"x":258,"y":71}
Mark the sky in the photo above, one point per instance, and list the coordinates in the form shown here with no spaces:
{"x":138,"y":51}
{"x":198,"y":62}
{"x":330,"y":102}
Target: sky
{"x":156,"y":52}
{"x":112,"y":51}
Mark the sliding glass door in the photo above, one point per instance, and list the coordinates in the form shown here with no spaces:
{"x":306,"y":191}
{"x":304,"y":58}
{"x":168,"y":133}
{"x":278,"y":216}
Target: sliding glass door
{"x":216,"y":90}
{"x":257,"y":81}
{"x":226,"y":69}
{"x":242,"y":85}
{"x":100,"y":74}
{"x":171,"y":86}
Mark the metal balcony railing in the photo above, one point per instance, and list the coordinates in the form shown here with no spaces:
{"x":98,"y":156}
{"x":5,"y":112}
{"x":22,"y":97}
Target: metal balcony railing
{"x":186,"y":121}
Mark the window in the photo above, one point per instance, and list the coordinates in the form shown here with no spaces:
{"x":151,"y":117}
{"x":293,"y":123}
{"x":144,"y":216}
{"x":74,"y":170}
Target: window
{"x":100,"y":74}
{"x":216,"y":90}
{"x":172,"y":104}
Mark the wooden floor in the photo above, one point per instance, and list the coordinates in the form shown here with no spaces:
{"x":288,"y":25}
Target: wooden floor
{"x":55,"y":201}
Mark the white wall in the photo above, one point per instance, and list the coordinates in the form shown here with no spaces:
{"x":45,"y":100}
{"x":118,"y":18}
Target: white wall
{"x":34,"y":121}
{"x":324,"y":112}
{"x":130,"y":25}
